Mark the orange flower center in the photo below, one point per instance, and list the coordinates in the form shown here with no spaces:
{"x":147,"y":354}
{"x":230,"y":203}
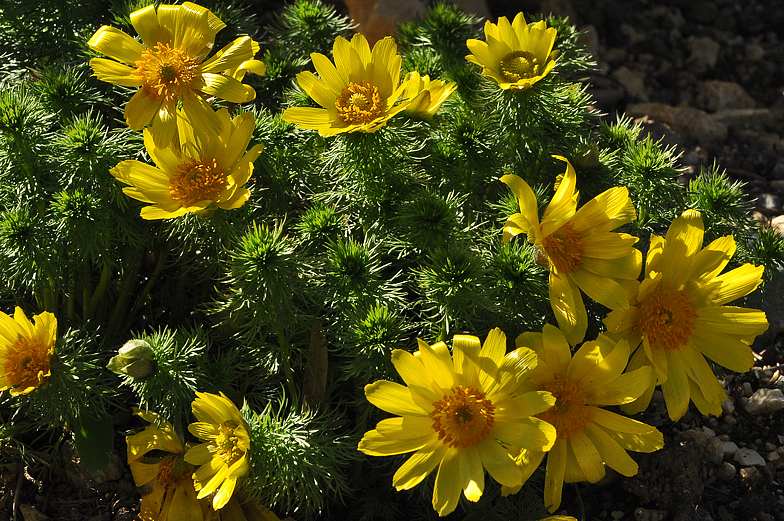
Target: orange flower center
{"x":226,"y":442}
{"x":569,"y":415}
{"x":564,"y":248}
{"x":27,"y":363}
{"x":463,"y":417}
{"x":666,"y":318}
{"x":165,"y":70}
{"x":197,"y":180}
{"x":519,"y":65}
{"x":173,"y":469}
{"x":359,"y":103}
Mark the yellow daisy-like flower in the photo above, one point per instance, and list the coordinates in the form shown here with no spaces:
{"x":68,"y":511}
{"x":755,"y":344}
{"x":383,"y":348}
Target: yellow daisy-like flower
{"x":173,"y":496}
{"x":358,"y":92}
{"x":234,"y":511}
{"x":679,"y":317}
{"x":426,"y":96}
{"x":516,"y":55}
{"x":223,"y":458}
{"x":26,"y":351}
{"x":581,"y":250}
{"x":456,"y":413}
{"x":206,"y":173}
{"x":169,"y":66}
{"x":589,"y":437}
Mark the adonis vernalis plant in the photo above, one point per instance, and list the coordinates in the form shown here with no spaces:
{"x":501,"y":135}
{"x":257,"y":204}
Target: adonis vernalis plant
{"x":292,"y":271}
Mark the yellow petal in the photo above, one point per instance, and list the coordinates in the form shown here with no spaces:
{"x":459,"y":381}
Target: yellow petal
{"x":111,"y":71}
{"x":419,"y":465}
{"x":116,"y":44}
{"x":554,"y":476}
{"x":447,"y":488}
{"x":145,"y":21}
{"x":724,"y":349}
{"x":414,"y":375}
{"x":395,"y":399}
{"x":472,"y":474}
{"x":611,"y":453}
{"x":465,"y":356}
{"x":499,"y":463}
{"x":567,"y":304}
{"x":140,"y":109}
{"x":587,"y":457}
{"x":684,"y":240}
{"x":441,"y":370}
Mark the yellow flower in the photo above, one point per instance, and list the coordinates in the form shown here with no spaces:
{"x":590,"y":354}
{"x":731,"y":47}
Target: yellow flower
{"x":173,"y":496}
{"x":516,"y":55}
{"x":679,"y":315}
{"x":589,"y":437}
{"x":223,"y":458}
{"x":207,"y":172}
{"x":426,"y":96}
{"x":358,"y":92}
{"x":169,"y":67}
{"x":581,"y":251}
{"x":456,"y":413}
{"x":26,"y":351}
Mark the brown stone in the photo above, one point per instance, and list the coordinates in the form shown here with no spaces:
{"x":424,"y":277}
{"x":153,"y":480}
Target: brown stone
{"x":694,"y":124}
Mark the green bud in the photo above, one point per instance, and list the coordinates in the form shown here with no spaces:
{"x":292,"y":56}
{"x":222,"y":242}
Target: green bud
{"x":134,"y":359}
{"x":587,"y":157}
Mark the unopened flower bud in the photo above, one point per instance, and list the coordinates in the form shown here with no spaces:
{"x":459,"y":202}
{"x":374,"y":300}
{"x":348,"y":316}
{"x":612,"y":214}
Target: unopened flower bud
{"x":134,"y":359}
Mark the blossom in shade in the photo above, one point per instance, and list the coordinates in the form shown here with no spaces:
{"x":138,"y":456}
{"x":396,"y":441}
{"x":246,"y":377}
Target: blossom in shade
{"x":359,"y":92}
{"x":170,"y":66}
{"x":458,"y":412}
{"x":579,"y":247}
{"x":678,"y":317}
{"x":426,"y":96}
{"x":589,"y":437}
{"x":208,"y":171}
{"x":223,"y":457}
{"x":515,"y":55}
{"x":26,"y":351}
{"x":172,"y":496}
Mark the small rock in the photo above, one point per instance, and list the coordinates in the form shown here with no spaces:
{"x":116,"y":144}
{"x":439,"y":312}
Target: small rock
{"x":727,"y":471}
{"x":616,"y":514}
{"x":747,"y":389}
{"x":765,"y":401}
{"x":754,"y":52}
{"x":748,"y":457}
{"x":29,"y":513}
{"x":778,"y":171}
{"x":778,"y":224}
{"x":720,"y":95}
{"x":632,"y":81}
{"x":704,"y":52}
{"x":750,"y":476}
{"x":729,"y":448}
{"x":744,"y":119}
{"x":690,"y":158}
{"x":768,"y":202}
{"x":646,"y":514}
{"x":772,"y":456}
{"x":696,"y":124}
{"x":728,"y":407}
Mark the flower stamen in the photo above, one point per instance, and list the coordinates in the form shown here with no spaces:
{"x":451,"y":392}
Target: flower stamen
{"x":569,"y":415}
{"x":226,"y":443}
{"x":27,"y":363}
{"x":359,"y":103}
{"x":165,"y":70}
{"x":564,"y":248}
{"x":519,"y":65}
{"x":667,"y":319}
{"x":197,"y":180}
{"x":463,"y":417}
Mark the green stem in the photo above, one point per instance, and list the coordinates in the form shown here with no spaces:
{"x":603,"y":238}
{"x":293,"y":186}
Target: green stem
{"x":127,"y":281}
{"x":103,"y":283}
{"x":286,"y":361}
{"x":149,"y":285}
